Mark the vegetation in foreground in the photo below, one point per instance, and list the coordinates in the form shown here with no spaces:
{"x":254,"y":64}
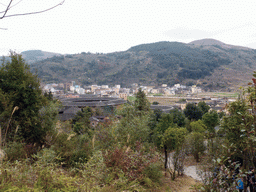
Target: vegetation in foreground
{"x":130,"y":152}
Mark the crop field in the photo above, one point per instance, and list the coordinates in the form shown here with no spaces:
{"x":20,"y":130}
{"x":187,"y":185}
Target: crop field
{"x":219,"y":94}
{"x":164,"y":100}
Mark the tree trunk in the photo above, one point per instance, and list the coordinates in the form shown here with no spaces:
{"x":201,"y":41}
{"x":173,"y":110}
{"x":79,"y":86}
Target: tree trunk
{"x":165,"y":158}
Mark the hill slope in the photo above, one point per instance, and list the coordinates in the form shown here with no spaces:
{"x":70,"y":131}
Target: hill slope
{"x":208,"y":63}
{"x":37,"y":55}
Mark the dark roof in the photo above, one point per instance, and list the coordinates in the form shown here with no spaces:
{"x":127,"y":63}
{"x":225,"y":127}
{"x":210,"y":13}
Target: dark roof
{"x":72,"y":110}
{"x":92,"y":101}
{"x":68,"y":113}
{"x":66,"y":116}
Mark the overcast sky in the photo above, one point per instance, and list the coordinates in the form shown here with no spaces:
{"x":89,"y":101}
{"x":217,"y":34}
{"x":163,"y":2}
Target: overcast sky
{"x":115,"y":25}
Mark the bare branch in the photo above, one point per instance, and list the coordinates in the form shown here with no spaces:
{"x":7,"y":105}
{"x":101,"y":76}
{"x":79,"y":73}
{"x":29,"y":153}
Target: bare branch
{"x":30,"y":13}
{"x":10,"y":6}
{"x":6,"y":10}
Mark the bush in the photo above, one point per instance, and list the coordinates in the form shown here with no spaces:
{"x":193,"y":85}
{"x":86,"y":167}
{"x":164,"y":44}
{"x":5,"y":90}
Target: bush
{"x":135,"y":165}
{"x":72,"y":149}
{"x":153,"y":172}
{"x":45,"y":156}
{"x":15,"y":151}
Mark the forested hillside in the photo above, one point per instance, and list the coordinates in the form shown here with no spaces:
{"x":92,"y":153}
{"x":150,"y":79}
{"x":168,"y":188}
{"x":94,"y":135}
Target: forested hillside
{"x":207,"y":63}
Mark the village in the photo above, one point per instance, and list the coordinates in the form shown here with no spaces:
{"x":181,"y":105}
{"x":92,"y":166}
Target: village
{"x":72,"y":89}
{"x":74,"y":97}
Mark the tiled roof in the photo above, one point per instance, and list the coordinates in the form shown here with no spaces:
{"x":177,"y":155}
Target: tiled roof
{"x":92,"y":101}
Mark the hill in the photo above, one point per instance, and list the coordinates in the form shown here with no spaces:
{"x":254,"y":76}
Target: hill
{"x":37,"y":55}
{"x":208,"y":63}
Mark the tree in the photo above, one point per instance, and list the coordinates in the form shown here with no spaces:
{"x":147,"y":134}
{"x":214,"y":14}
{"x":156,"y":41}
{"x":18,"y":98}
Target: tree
{"x":178,"y":117}
{"x":154,"y":119}
{"x":132,"y":127}
{"x":173,"y":139}
{"x":164,"y":123}
{"x":196,"y":143}
{"x":141,"y":103}
{"x":211,"y":120}
{"x":203,"y":106}
{"x":193,"y":112}
{"x":195,"y":139}
{"x":21,"y":90}
{"x":239,"y":131}
{"x":198,"y":126}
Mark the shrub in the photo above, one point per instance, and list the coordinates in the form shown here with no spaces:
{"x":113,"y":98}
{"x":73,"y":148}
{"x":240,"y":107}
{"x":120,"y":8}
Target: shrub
{"x":153,"y":172}
{"x":45,"y":156}
{"x":133,"y":164}
{"x":15,"y":151}
{"x":72,"y":149}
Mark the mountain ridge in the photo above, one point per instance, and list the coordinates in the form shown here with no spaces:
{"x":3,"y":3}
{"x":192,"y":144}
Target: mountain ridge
{"x":209,"y":63}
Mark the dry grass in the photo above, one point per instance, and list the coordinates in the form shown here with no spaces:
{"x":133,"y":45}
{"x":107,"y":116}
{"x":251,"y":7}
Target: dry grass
{"x":180,"y":184}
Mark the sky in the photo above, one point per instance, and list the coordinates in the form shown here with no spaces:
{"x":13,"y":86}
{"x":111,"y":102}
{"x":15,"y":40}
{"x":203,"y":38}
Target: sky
{"x":104,"y":26}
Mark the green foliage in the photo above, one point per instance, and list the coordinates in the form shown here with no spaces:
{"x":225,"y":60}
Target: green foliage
{"x":15,"y":151}
{"x":45,"y":157}
{"x":95,"y":169}
{"x":211,"y":120}
{"x":72,"y":149}
{"x":153,"y":121}
{"x":153,"y":173}
{"x":203,"y":107}
{"x":141,"y":103}
{"x":48,"y":116}
{"x":163,"y":124}
{"x":154,"y":118}
{"x":21,"y":90}
{"x":178,"y":117}
{"x":81,"y":122}
{"x":173,"y":138}
{"x":195,"y":141}
{"x":239,"y":131}
{"x":193,"y":112}
{"x":198,"y":126}
{"x":23,"y":176}
{"x":132,"y":127}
